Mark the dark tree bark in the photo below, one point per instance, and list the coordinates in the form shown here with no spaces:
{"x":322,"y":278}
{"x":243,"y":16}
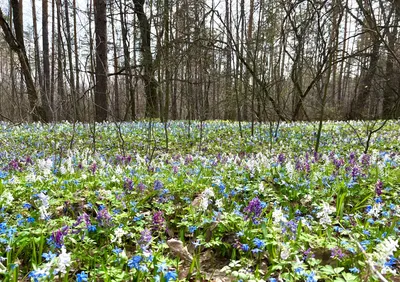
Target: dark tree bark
{"x":130,"y":91}
{"x":101,"y":60}
{"x":149,"y":81}
{"x":46,"y":60}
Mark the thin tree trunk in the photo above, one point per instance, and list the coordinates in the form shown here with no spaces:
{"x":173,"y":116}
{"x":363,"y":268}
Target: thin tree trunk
{"x":46,"y":60}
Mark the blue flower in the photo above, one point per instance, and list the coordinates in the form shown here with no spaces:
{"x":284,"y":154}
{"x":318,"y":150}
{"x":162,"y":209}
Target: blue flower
{"x":117,"y":250}
{"x":245,"y":247}
{"x":48,"y":256}
{"x":30,"y":219}
{"x":354,"y":270}
{"x":81,"y":277}
{"x":299,"y":270}
{"x":134,"y":262}
{"x":258,"y":243}
{"x":171,"y":275}
{"x":192,"y":229}
{"x":162,"y":267}
{"x":311,"y":277}
{"x":92,"y":228}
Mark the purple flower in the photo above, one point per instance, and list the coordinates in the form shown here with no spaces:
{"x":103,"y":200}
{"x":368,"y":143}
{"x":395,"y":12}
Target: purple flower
{"x":254,"y":209}
{"x":378,"y":188}
{"x":158,"y":220}
{"x":145,"y":238}
{"x":352,"y":160}
{"x":365,"y":159}
{"x":307,"y":254}
{"x":57,"y":237}
{"x":281,"y":158}
{"x":337,"y":253}
{"x":128,"y":184}
{"x":93,"y":168}
{"x":103,"y":217}
{"x":158,"y":185}
{"x":141,"y":187}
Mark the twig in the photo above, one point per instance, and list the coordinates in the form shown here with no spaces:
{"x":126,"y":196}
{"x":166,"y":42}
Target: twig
{"x":369,"y":261}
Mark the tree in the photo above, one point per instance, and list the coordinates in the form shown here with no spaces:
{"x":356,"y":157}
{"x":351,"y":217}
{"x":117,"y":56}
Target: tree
{"x":101,"y":60}
{"x":46,"y":60}
{"x":17,"y":44}
{"x":150,"y":84}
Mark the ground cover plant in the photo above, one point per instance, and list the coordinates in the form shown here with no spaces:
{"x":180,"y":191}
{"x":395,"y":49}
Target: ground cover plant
{"x":110,"y":203}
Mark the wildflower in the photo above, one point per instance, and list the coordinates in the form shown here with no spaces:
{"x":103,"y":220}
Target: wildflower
{"x":307,"y":254}
{"x":192,"y":229}
{"x":278,"y":216}
{"x":81,"y":277}
{"x":378,"y":188}
{"x":38,"y":274}
{"x":323,"y":215}
{"x":162,"y":267}
{"x":118,"y":234}
{"x":245,"y":247}
{"x":145,"y":238}
{"x":103,"y":217}
{"x":171,"y":275}
{"x":337,"y":253}
{"x":48,"y":256}
{"x":386,"y":249}
{"x":158,"y":185}
{"x":117,"y":251}
{"x":197,"y":243}
{"x":254,"y":209}
{"x":354,"y":270}
{"x":128,"y":184}
{"x":158,"y":220}
{"x":258,"y":243}
{"x":299,"y":270}
{"x":134,"y":262}
{"x":92,"y":228}
{"x":57,"y":237}
{"x":311,"y":277}
{"x":63,"y":261}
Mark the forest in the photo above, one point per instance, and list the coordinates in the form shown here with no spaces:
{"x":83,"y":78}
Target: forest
{"x":243,"y":60}
{"x":199,"y":140}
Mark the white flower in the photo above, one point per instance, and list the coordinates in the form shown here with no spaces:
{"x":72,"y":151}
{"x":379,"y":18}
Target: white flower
{"x":44,"y":198}
{"x":45,"y":166}
{"x":118,"y":234}
{"x":203,"y":203}
{"x":376,"y":210}
{"x":385,"y":249}
{"x":219,"y":203}
{"x":285,"y":252}
{"x":278,"y":216}
{"x":7,"y":198}
{"x":208,"y":193}
{"x":63,"y":260}
{"x":307,"y":198}
{"x":323,"y":215}
{"x":43,"y":212}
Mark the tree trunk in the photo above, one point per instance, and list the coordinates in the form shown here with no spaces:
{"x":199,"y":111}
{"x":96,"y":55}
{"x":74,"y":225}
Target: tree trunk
{"x":101,"y":60}
{"x":149,"y":81}
{"x":46,"y":60}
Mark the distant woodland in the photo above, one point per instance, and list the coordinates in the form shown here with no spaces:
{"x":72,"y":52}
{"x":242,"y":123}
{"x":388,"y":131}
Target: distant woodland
{"x":245,"y":60}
